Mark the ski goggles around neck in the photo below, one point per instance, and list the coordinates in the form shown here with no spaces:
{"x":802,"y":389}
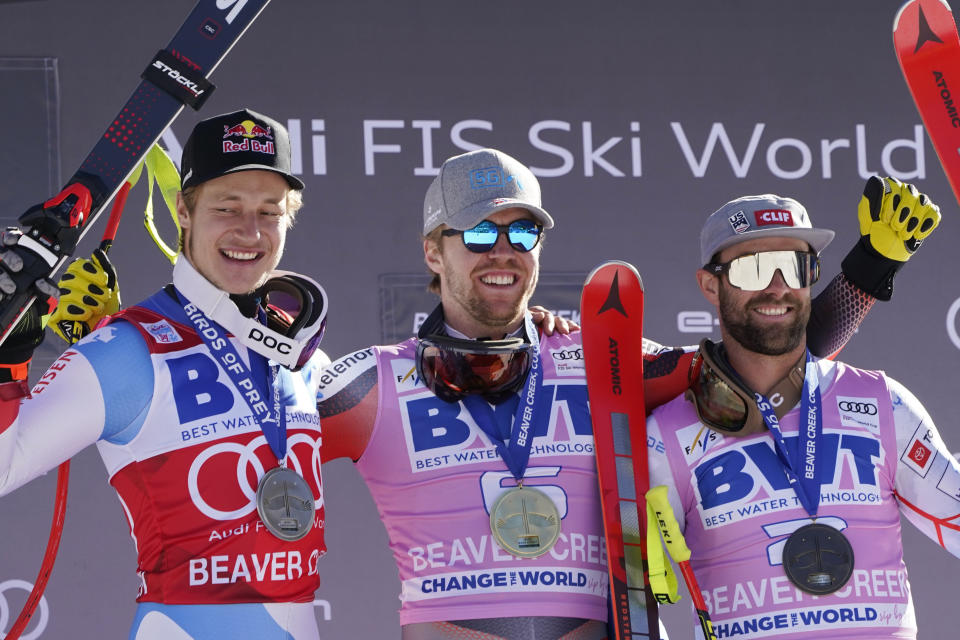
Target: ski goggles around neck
{"x":722,"y":400}
{"x":296,"y":307}
{"x":523,"y":235}
{"x":453,"y":368}
{"x":725,"y":402}
{"x":755,"y":271}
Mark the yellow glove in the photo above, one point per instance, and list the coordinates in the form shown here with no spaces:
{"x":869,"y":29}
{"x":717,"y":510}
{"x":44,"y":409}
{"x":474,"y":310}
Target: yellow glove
{"x":89,"y":291}
{"x":894,"y":220}
{"x":895,"y":217}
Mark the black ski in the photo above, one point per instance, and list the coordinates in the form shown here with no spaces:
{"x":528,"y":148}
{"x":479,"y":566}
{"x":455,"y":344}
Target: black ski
{"x":177,"y":76}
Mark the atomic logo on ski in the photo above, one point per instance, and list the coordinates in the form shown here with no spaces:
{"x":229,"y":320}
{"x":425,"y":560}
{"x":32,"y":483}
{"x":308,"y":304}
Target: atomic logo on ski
{"x":613,"y":298}
{"x":925,"y":34}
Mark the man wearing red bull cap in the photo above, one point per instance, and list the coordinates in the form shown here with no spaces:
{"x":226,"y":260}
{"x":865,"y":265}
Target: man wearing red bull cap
{"x":444,"y":426}
{"x":201,"y":402}
{"x":789,"y":473}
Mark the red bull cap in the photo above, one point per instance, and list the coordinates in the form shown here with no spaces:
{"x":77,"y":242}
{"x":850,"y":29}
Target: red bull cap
{"x":240,"y":141}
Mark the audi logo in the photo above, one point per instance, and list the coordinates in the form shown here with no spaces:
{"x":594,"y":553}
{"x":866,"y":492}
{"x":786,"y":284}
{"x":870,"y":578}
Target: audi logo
{"x":246,"y":460}
{"x":568,"y":354}
{"x":42,"y":614}
{"x":865,"y":408}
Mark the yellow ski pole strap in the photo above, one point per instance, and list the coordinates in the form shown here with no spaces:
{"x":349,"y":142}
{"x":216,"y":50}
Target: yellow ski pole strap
{"x":160,"y":169}
{"x":663,"y":581}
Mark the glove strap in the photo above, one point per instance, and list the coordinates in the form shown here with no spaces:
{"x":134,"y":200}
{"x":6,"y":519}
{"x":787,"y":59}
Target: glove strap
{"x":870,"y":271}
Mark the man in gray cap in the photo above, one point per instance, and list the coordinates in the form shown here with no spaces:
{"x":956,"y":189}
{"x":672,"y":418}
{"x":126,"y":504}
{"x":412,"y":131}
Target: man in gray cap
{"x":478,"y":453}
{"x":788,"y":473}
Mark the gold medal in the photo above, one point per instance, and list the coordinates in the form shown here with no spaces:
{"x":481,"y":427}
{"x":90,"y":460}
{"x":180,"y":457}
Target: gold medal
{"x":525,"y":522}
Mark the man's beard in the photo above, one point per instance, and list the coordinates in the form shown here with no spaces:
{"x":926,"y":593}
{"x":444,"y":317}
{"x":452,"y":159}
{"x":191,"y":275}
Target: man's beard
{"x":766,"y":340}
{"x":482,"y":310}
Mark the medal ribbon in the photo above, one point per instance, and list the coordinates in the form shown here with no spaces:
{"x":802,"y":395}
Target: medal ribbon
{"x":255,"y":383}
{"x":803,"y":469}
{"x":517,"y":453}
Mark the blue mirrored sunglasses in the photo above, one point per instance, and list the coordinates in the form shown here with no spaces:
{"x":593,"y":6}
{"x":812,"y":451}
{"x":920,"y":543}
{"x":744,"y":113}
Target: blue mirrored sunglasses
{"x":523,"y":235}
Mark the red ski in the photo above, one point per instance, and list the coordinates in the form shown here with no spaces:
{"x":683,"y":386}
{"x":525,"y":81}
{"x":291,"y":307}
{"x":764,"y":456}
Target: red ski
{"x":928,"y":48}
{"x":611,"y":312}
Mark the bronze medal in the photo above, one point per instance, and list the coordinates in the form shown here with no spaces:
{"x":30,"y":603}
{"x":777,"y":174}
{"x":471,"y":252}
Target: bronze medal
{"x":525,"y":522}
{"x":818,"y":559}
{"x":285,"y":503}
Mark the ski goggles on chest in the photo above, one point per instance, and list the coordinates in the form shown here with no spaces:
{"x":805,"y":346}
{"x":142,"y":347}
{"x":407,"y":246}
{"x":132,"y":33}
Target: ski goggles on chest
{"x":755,"y":271}
{"x":724,"y":402}
{"x":523,"y":235}
{"x":453,"y":368}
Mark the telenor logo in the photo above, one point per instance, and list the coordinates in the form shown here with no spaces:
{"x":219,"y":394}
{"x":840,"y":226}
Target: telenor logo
{"x":773,"y":216}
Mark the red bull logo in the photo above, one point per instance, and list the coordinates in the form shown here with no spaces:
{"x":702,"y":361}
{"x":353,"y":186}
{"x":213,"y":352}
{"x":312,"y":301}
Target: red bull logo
{"x":252,"y":136}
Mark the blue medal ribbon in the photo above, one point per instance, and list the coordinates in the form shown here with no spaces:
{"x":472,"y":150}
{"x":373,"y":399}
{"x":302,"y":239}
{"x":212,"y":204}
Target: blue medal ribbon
{"x":803,"y":469}
{"x":256,"y":383}
{"x":516,"y":452}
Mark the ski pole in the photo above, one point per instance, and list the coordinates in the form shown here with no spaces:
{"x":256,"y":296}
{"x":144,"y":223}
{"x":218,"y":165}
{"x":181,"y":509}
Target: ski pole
{"x":63,"y":471}
{"x":680,"y":552}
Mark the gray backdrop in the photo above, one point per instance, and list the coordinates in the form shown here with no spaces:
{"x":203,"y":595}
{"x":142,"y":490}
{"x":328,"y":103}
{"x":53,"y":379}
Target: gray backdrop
{"x":640,"y":118}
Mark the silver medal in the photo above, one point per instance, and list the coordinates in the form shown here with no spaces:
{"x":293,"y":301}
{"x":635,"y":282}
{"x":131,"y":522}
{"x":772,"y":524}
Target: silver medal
{"x":285,"y":503}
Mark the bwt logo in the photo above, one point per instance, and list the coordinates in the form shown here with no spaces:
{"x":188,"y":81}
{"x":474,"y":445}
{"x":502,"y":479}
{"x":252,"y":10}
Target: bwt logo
{"x":435,"y":424}
{"x":733,"y":475}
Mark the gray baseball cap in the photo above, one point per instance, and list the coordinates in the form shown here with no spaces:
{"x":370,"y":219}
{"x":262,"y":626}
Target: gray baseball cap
{"x":762,"y":216}
{"x":473,"y":186}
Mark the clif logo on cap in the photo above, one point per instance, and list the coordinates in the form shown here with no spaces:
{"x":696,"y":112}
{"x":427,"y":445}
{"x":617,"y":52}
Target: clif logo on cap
{"x":253,"y":138}
{"x":781,"y":217}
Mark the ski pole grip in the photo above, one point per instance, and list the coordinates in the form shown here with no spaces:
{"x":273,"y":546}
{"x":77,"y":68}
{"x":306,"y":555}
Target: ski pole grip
{"x":667,"y":521}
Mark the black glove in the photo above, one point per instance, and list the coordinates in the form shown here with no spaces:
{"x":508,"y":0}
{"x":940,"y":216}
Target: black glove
{"x":17,"y":349}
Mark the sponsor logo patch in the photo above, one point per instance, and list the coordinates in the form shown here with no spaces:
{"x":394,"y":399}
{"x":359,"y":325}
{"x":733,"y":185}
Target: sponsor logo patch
{"x":859,"y":412}
{"x":162,"y":332}
{"x":920,"y":454}
{"x":766,"y":217}
{"x":696,"y":440}
{"x":405,"y":375}
{"x":568,"y":361}
{"x":739,"y":223}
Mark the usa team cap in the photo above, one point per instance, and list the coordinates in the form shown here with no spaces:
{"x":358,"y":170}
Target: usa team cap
{"x":762,"y":216}
{"x":240,"y":141}
{"x":473,"y":186}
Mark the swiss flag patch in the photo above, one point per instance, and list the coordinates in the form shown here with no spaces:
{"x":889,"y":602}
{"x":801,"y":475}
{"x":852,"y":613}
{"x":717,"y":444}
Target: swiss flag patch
{"x":781,"y":217}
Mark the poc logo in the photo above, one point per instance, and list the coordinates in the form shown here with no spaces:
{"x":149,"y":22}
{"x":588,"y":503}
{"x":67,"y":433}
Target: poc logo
{"x":269,"y":341}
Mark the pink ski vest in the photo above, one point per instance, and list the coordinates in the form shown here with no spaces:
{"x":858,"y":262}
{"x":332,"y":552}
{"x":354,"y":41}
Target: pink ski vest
{"x":740,"y":510}
{"x":435,"y":475}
